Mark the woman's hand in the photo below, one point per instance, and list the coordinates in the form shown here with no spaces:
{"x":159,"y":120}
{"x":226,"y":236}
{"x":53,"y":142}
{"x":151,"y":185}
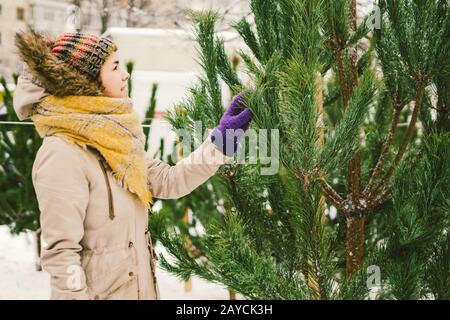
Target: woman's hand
{"x":232,"y":126}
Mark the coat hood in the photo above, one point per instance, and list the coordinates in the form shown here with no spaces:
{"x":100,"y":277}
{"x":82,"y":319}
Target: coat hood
{"x":27,"y":92}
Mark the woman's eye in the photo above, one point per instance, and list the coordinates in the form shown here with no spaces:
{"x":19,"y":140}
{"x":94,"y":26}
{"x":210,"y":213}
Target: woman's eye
{"x":115,"y":68}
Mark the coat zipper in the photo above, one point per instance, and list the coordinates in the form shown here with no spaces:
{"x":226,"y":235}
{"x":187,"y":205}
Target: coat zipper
{"x":111,"y":215}
{"x":110,"y":200}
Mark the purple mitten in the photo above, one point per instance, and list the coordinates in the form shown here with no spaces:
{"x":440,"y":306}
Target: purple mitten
{"x":232,"y":126}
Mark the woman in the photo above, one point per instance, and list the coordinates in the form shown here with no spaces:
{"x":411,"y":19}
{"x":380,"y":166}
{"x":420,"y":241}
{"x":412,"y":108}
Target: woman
{"x":93,"y":180}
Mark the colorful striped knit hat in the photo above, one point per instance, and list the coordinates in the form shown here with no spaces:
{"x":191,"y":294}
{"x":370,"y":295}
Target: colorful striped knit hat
{"x":85,"y":52}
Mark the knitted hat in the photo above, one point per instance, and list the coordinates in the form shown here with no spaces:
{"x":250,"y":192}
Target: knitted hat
{"x":85,"y":52}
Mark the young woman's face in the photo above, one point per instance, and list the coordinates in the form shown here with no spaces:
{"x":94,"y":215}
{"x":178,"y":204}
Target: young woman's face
{"x":114,"y":78}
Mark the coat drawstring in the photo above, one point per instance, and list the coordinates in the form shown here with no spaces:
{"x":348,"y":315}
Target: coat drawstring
{"x":110,"y":200}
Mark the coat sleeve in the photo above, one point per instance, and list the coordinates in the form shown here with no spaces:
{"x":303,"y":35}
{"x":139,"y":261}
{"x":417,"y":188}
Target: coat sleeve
{"x":62,"y":191}
{"x":172,"y":182}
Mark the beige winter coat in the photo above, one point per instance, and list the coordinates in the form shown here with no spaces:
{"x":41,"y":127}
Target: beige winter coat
{"x":95,"y":242}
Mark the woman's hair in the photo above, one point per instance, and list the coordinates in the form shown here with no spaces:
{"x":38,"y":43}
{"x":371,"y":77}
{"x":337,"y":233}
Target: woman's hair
{"x":100,"y":83}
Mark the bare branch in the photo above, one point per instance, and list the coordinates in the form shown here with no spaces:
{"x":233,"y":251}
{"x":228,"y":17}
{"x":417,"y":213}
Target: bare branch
{"x":405,"y":141}
{"x":383,"y":155}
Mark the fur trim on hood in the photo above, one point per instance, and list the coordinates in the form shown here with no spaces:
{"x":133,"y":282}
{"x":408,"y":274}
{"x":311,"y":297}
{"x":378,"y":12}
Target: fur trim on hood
{"x":56,"y":76}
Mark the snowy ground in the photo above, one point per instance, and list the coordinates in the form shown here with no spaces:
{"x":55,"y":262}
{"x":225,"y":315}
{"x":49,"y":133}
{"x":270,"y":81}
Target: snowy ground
{"x":20,"y":280}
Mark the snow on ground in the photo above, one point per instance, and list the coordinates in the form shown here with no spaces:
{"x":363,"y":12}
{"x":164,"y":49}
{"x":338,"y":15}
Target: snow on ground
{"x":19,"y":279}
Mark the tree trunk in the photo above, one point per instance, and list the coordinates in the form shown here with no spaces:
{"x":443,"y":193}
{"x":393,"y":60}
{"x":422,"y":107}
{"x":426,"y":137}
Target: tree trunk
{"x":355,"y":243}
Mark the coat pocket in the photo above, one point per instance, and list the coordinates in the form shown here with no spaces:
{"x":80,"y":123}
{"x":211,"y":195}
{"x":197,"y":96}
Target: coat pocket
{"x":108,"y":273}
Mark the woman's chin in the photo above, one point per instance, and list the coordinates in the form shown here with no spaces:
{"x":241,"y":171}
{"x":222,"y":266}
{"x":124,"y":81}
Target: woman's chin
{"x":124,"y":93}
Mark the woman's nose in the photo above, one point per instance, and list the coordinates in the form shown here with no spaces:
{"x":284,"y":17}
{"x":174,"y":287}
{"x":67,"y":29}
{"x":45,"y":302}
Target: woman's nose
{"x":126,"y":76}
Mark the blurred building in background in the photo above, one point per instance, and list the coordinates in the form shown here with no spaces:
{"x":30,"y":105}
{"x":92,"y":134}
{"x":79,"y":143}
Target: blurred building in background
{"x":14,"y":15}
{"x":53,"y":17}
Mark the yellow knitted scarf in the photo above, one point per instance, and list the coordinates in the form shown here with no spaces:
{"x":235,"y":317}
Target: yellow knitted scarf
{"x":109,"y":125}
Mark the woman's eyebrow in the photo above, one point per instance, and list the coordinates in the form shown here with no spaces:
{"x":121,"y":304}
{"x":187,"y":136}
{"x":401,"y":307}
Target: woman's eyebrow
{"x":116,"y":62}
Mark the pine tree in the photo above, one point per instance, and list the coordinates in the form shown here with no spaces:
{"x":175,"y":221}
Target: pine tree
{"x":339,"y":108}
{"x":18,"y":146}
